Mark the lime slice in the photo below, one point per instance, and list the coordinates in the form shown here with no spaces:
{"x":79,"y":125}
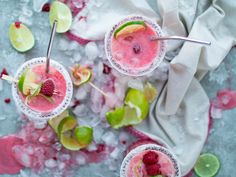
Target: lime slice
{"x":36,"y":91}
{"x":150,"y":92}
{"x":84,"y":135}
{"x":68,"y":123}
{"x":115,"y":117}
{"x":54,"y":122}
{"x":70,"y":142}
{"x":136,"y":99}
{"x":207,"y":165}
{"x":129,"y":27}
{"x":62,"y":13}
{"x":21,"y":37}
{"x":26,"y":81}
{"x":82,"y":76}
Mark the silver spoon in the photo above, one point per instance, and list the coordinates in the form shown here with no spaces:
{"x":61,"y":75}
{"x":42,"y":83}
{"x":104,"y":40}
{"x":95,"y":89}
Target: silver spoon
{"x":53,"y":31}
{"x":153,"y":38}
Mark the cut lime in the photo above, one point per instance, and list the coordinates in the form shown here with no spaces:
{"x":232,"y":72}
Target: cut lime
{"x":36,"y":91}
{"x":81,"y":75}
{"x":54,"y":122}
{"x":69,"y":142}
{"x":207,"y":165}
{"x":136,"y":99}
{"x":26,"y":81}
{"x":62,"y":14}
{"x":115,"y":117}
{"x":21,"y":37}
{"x":129,"y":27}
{"x":84,"y":135}
{"x":68,"y":123}
{"x":150,"y":92}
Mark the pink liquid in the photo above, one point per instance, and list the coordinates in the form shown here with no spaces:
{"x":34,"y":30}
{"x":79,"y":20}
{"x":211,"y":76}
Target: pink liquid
{"x":39,"y":103}
{"x":135,"y":50}
{"x":136,"y":167}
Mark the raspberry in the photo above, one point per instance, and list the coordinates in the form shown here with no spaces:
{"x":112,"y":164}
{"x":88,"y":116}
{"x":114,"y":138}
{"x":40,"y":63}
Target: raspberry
{"x":136,"y":48}
{"x":150,"y":158}
{"x":7,"y":100}
{"x":106,"y":69}
{"x":46,"y":7}
{"x":4,"y":72}
{"x":153,"y":169}
{"x":17,"y":24}
{"x":48,"y":88}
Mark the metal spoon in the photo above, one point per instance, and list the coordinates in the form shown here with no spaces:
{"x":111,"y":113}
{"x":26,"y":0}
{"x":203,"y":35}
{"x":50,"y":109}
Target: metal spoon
{"x":53,"y":31}
{"x":153,"y":38}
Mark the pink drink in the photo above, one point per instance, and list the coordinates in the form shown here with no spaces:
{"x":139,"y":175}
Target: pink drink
{"x":134,"y":53}
{"x":41,"y":104}
{"x":135,"y":50}
{"x":134,"y":166}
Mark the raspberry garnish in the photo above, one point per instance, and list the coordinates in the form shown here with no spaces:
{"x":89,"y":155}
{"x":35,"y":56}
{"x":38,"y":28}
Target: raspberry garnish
{"x":48,"y":88}
{"x":150,"y":158}
{"x":17,"y":24}
{"x":106,"y":69}
{"x":46,"y":7}
{"x":4,"y":72}
{"x":136,"y":48}
{"x":153,"y":169}
{"x":7,"y":100}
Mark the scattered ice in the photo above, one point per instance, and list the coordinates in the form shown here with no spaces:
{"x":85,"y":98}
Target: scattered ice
{"x":26,"y":20}
{"x":91,"y":50}
{"x":38,"y":5}
{"x":123,"y":137}
{"x":119,"y":90}
{"x":103,"y":111}
{"x":81,"y":93}
{"x":109,"y":138}
{"x":92,"y":147}
{"x":73,"y":45}
{"x":111,"y":100}
{"x":64,"y":157}
{"x":50,"y":163}
{"x":136,"y":84}
{"x":216,"y":113}
{"x":80,"y":159}
{"x":2,"y":118}
{"x":61,"y":165}
{"x":57,"y":146}
{"x":116,"y":153}
{"x":97,"y":101}
{"x":76,"y":57}
{"x":77,"y":3}
{"x":98,"y":132}
{"x":22,"y":156}
{"x":23,"y":173}
{"x":1,"y":85}
{"x":26,"y":11}
{"x":80,"y":110}
{"x":40,"y":124}
{"x":63,"y":44}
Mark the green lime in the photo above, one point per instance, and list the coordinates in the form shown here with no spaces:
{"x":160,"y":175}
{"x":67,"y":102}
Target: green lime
{"x":62,"y":14}
{"x":136,"y":99}
{"x":129,"y":27}
{"x":69,"y":142}
{"x":21,"y":37}
{"x":150,"y":92}
{"x":207,"y":165}
{"x":84,"y":135}
{"x":68,"y":123}
{"x":82,"y":76}
{"x":26,"y":81}
{"x":115,"y":117}
{"x":54,"y":122}
{"x":36,"y":91}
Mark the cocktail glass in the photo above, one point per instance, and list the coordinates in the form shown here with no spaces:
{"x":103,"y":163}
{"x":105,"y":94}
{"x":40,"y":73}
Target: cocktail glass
{"x":44,"y":114}
{"x":120,"y":53}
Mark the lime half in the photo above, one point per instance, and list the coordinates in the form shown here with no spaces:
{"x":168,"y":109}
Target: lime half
{"x":26,"y":81}
{"x":84,"y":135}
{"x":207,"y":165}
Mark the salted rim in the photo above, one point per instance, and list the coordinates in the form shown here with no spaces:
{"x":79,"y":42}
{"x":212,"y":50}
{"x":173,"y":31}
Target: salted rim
{"x":36,"y":115}
{"x":135,"y":151}
{"x":131,"y":72}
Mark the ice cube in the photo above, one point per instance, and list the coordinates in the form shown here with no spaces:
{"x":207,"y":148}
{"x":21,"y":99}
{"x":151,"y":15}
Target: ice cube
{"x":63,"y":44}
{"x":57,"y":146}
{"x":136,"y":84}
{"x":123,"y":137}
{"x":92,"y":147}
{"x":111,"y":100}
{"x":26,"y":11}
{"x":97,"y":101}
{"x":80,"y":159}
{"x":80,"y":110}
{"x":109,"y":138}
{"x":23,"y":174}
{"x":81,"y":93}
{"x":22,"y":156}
{"x":25,"y":20}
{"x":64,"y":157}
{"x":38,"y":5}
{"x":40,"y":124}
{"x":50,"y":163}
{"x":98,"y":132}
{"x":91,"y":50}
{"x":77,"y":3}
{"x":61,"y":165}
{"x":216,"y":113}
{"x":73,"y":45}
{"x":104,"y":110}
{"x":76,"y":57}
{"x":116,"y":153}
{"x":120,"y":90}
{"x":2,"y":118}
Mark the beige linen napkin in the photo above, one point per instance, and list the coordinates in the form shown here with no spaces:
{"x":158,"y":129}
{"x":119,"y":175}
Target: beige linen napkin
{"x":180,"y":115}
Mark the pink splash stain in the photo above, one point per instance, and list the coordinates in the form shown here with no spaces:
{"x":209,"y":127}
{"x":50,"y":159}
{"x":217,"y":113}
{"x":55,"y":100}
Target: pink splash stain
{"x":78,"y":39}
{"x":225,"y":99}
{"x":8,"y":164}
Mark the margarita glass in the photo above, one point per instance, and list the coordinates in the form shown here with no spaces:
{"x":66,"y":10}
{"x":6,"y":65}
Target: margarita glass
{"x":133,"y":164}
{"x":129,"y":49}
{"x":40,"y":108}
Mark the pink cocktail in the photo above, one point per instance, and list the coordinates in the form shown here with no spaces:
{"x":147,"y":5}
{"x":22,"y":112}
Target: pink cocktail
{"x":158,"y":161}
{"x":43,"y":107}
{"x":133,"y":53}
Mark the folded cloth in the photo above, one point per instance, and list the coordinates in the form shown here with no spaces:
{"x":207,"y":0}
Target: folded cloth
{"x":180,"y":114}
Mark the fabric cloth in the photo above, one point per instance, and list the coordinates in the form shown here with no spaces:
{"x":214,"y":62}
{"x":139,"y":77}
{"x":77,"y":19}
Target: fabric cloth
{"x":180,"y":114}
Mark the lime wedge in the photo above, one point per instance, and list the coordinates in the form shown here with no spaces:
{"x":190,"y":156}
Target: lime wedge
{"x":21,"y":37}
{"x":70,"y":142}
{"x":82,"y":76}
{"x":68,"y":123}
{"x":207,"y":165}
{"x":129,"y":27}
{"x":62,"y":13}
{"x":26,"y":81}
{"x":150,"y":92}
{"x":115,"y":117}
{"x":36,"y":91}
{"x":84,"y":135}
{"x":54,"y":122}
{"x":136,"y":99}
